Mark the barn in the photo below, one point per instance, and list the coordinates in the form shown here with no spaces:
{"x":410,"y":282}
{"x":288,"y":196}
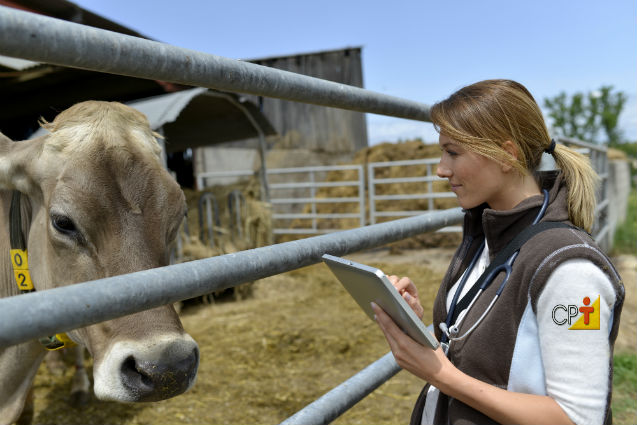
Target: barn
{"x":208,"y":131}
{"x":306,"y":134}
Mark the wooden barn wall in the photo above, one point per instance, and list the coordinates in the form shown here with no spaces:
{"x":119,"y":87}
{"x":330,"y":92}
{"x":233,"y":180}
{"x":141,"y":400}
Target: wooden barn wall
{"x":317,"y":128}
{"x":307,"y":134}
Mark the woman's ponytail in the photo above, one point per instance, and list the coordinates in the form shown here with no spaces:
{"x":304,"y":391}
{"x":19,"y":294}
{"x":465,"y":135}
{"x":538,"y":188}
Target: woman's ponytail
{"x":582,"y":181}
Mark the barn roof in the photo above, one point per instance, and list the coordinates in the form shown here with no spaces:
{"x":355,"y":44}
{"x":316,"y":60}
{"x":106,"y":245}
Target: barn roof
{"x":200,"y":117}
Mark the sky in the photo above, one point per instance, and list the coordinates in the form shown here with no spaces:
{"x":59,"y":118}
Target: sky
{"x":418,"y":50}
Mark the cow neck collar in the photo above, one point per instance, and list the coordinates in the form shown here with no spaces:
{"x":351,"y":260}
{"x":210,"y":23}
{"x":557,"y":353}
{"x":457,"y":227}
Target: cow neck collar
{"x":20,"y":262}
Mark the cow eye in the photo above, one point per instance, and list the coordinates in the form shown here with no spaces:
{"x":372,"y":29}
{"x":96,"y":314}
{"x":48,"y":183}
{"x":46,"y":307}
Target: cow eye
{"x":64,"y":225}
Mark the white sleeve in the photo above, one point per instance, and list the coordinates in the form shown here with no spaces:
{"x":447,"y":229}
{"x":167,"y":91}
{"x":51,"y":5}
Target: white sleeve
{"x":575,"y":354}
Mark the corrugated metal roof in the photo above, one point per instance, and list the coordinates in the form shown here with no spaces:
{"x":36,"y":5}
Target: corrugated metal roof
{"x":165,"y":108}
{"x":198,"y":117}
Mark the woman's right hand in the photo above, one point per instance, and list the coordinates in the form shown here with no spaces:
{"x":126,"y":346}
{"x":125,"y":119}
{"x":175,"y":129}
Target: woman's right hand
{"x":408,"y":290}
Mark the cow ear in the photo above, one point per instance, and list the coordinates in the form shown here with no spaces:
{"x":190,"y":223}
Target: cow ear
{"x":17,"y":164}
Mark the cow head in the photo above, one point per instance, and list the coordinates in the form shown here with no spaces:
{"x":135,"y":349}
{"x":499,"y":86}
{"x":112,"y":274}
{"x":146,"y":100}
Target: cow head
{"x":101,"y":204}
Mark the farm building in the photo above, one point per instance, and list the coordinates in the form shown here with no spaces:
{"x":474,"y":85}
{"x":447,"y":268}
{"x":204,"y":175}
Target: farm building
{"x":31,"y":90}
{"x":205,"y":137}
{"x":307,"y":134}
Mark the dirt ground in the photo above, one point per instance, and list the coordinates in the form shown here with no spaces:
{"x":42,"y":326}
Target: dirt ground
{"x":298,"y":336}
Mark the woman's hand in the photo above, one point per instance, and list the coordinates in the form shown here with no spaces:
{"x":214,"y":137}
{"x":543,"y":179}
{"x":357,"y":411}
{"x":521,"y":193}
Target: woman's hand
{"x":408,"y":290}
{"x":424,"y":362}
{"x":433,"y":366}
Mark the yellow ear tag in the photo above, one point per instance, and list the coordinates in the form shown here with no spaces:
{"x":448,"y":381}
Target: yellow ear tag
{"x":20,"y":261}
{"x":57,"y":342}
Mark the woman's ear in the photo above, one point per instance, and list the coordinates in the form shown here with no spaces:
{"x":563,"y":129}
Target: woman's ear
{"x":512,"y":149}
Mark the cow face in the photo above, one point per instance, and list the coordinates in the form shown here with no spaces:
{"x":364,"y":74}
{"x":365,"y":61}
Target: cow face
{"x":102,"y":205}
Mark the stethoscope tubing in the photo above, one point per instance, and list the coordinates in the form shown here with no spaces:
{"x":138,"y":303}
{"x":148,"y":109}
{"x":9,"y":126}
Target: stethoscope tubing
{"x":450,"y":331}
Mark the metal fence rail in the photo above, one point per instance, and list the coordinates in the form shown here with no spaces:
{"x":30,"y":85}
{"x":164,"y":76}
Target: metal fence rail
{"x":43,"y":39}
{"x":429,"y":178}
{"x":30,"y":316}
{"x":599,"y":160}
{"x":313,"y":181}
{"x":337,"y":401}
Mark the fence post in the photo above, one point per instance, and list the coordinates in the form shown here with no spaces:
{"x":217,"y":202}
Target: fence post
{"x":371,"y":193}
{"x":361,"y":194}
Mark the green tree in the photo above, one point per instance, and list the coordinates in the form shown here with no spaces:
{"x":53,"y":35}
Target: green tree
{"x":584,"y":116}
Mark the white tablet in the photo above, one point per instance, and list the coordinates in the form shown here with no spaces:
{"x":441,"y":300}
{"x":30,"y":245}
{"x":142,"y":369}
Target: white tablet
{"x":366,"y":284}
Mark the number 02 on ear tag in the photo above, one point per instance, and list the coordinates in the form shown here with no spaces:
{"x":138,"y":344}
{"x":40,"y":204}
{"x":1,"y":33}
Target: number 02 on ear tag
{"x":20,"y":262}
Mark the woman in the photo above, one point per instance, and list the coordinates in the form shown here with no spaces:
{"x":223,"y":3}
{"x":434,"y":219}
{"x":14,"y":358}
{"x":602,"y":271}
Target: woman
{"x":530,"y":358}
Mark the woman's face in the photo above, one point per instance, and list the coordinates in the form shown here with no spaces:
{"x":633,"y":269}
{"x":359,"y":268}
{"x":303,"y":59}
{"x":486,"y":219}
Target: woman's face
{"x":475,"y":179}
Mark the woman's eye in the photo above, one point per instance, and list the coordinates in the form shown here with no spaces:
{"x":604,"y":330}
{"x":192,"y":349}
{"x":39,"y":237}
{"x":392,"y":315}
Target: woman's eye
{"x":63,"y":224}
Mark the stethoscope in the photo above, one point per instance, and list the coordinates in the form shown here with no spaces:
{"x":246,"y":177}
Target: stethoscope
{"x":450,"y":333}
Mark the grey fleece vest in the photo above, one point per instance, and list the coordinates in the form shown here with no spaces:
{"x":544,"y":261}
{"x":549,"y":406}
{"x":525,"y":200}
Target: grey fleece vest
{"x":487,"y":352}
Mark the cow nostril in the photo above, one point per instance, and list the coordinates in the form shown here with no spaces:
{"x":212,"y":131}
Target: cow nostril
{"x":154,"y":381}
{"x":135,"y":377}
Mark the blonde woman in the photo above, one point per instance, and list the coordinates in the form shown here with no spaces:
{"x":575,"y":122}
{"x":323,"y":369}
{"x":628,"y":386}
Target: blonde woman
{"x":537,"y":348}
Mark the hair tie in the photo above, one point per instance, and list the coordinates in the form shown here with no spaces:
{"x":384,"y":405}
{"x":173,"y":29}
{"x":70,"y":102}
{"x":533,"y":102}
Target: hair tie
{"x":551,"y":147}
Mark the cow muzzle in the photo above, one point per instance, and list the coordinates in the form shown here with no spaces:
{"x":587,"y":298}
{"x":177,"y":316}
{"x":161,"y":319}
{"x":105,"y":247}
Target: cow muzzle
{"x":146,"y":371}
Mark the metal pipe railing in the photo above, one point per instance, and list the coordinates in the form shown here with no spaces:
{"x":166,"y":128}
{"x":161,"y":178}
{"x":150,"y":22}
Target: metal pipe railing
{"x":39,"y":38}
{"x":30,"y":316}
{"x":340,"y":399}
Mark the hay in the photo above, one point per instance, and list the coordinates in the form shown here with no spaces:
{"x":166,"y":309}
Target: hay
{"x":265,"y":358}
{"x":256,"y":230}
{"x":256,"y":218}
{"x":616,"y":154}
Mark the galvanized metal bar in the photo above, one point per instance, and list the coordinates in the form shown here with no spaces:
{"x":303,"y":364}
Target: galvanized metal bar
{"x":344,"y":199}
{"x":234,"y":173}
{"x":400,"y":213}
{"x":420,"y":179}
{"x":311,"y":184}
{"x":592,"y":146}
{"x":422,"y":161}
{"x":288,"y":216}
{"x":300,"y":231}
{"x":434,"y":195}
{"x":371,"y":190}
{"x":361,"y":195}
{"x":293,"y":170}
{"x":430,"y":188}
{"x":48,"y":40}
{"x":340,"y":399}
{"x":313,"y":204}
{"x":29,"y":316}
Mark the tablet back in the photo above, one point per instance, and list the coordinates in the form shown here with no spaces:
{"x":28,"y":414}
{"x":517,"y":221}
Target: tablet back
{"x":368,"y":284}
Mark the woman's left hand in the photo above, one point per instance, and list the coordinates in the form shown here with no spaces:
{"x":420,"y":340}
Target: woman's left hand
{"x":424,"y":362}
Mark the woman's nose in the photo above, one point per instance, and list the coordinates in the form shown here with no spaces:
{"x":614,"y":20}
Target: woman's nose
{"x":442,"y":171}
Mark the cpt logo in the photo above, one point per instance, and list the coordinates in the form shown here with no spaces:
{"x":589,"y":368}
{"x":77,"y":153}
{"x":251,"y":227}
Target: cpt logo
{"x":588,"y":320}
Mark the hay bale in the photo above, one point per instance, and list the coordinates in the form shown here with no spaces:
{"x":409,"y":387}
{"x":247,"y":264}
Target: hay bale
{"x":385,"y":152}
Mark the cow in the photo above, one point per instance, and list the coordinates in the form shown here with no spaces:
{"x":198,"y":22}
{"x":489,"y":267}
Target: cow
{"x":96,"y":201}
